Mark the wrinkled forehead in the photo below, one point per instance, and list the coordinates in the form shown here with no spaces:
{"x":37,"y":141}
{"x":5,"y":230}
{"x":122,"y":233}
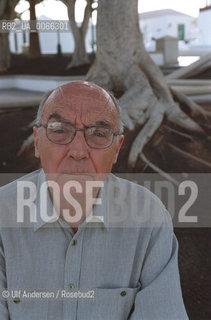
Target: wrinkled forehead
{"x":81,"y":95}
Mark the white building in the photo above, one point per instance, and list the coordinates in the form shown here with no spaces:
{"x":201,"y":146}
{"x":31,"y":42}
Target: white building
{"x":167,"y":22}
{"x":192,"y":32}
{"x":204,"y":23}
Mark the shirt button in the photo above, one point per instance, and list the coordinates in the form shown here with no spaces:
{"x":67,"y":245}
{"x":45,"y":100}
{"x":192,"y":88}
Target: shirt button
{"x":16,"y":300}
{"x":71,"y":286}
{"x":123,"y":293}
{"x":74,"y":242}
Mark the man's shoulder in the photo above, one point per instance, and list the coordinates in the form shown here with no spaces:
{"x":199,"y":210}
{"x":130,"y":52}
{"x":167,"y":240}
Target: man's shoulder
{"x":133,"y":186}
{"x":139,"y":205}
{"x":9,"y":190}
{"x":9,"y":199}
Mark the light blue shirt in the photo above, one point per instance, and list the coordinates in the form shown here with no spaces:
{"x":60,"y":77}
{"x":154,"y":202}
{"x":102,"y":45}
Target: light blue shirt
{"x":132,"y":266}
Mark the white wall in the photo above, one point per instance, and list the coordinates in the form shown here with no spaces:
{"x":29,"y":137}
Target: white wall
{"x":204,"y":23}
{"x":167,"y":25}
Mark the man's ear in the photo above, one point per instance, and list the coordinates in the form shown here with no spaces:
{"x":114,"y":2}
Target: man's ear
{"x":36,"y":142}
{"x":118,"y":146}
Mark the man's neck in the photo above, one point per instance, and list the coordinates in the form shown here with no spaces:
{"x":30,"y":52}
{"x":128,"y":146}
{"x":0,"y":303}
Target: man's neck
{"x":75,"y":208}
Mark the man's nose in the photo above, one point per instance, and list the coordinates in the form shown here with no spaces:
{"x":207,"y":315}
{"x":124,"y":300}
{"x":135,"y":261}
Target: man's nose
{"x":78,"y":148}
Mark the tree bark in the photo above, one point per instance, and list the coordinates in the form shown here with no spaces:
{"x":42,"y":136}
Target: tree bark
{"x":34,"y":44}
{"x":80,"y":55}
{"x":122,"y":65}
{"x":4,"y":53}
{"x":6,"y":12}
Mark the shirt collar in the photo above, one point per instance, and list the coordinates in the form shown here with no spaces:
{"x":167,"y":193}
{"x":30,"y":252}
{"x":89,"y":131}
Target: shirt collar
{"x":99,"y":214}
{"x":42,"y":214}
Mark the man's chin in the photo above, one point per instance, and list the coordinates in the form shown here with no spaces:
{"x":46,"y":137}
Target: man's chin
{"x":76,"y":180}
{"x":77,"y":175}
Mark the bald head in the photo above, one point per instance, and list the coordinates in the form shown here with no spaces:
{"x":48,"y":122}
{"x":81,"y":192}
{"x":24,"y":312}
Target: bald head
{"x":78,"y":130}
{"x":83,"y":91}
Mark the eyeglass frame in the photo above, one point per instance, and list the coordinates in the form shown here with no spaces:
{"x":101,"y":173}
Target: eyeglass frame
{"x":114,"y":134}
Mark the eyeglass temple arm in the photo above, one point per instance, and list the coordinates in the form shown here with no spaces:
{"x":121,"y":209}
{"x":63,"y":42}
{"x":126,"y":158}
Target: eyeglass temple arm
{"x":38,"y":125}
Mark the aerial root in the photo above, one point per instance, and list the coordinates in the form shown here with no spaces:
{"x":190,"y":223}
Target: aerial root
{"x":150,"y":127}
{"x":136,"y":99}
{"x":158,"y":170}
{"x":194,"y":107}
{"x":190,"y":156}
{"x":185,"y":135}
{"x":177,"y":116}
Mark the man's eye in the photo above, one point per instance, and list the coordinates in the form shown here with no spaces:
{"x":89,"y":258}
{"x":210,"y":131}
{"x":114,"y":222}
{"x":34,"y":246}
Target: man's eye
{"x":58,"y":130}
{"x":98,"y":133}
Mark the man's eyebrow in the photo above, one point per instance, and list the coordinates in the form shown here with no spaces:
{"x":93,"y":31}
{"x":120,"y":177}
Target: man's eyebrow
{"x":57,"y":116}
{"x":103,"y":123}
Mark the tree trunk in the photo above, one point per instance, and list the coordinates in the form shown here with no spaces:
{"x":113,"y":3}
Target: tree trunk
{"x":6,"y":12}
{"x":80,"y":55}
{"x":122,"y":65}
{"x":34,"y":45}
{"x":4,"y":52}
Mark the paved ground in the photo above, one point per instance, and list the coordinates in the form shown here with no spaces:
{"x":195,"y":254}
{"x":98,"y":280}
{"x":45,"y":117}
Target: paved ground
{"x":10,"y":98}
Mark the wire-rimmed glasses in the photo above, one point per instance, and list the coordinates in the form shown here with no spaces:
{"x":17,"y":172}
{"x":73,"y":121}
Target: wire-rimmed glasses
{"x":97,"y":137}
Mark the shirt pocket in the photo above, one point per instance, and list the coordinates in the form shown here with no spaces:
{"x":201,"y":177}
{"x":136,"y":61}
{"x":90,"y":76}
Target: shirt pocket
{"x":28,"y":309}
{"x":108,"y":304}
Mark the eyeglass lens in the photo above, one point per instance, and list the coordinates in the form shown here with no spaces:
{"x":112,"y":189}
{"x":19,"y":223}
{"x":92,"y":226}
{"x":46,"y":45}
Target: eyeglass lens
{"x":63,"y":133}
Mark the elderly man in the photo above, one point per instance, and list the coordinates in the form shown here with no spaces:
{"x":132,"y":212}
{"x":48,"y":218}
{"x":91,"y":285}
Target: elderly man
{"x":74,"y":228}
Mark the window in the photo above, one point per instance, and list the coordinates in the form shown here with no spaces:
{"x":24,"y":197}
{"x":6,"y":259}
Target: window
{"x":181,"y":32}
